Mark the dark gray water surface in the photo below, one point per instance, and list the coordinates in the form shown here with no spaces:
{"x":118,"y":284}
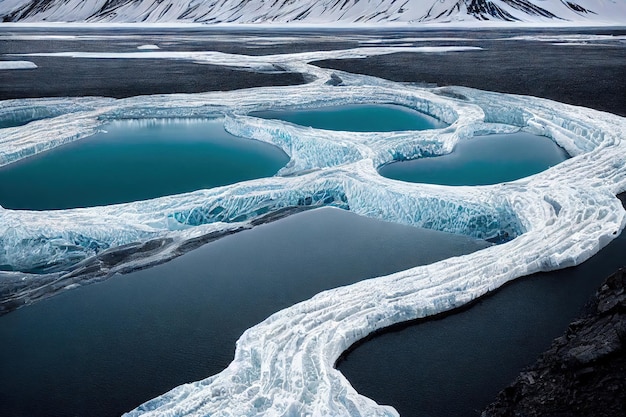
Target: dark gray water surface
{"x":356,"y":118}
{"x":455,"y":365}
{"x":482,"y":160}
{"x":104,"y":349}
{"x":120,"y":78}
{"x":136,"y":160}
{"x":586,"y":75}
{"x":589,"y":75}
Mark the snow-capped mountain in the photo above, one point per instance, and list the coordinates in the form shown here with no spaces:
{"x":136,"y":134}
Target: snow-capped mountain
{"x":308,"y":11}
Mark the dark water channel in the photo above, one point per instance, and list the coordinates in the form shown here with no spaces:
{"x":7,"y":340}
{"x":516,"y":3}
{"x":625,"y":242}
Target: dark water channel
{"x":105,"y":348}
{"x":454,"y":365}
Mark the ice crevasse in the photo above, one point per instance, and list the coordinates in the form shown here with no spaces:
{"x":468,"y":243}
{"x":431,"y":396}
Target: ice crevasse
{"x":284,"y":366}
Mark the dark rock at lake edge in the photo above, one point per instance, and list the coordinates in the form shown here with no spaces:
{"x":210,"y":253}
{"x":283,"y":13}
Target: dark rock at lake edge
{"x":583,"y":373}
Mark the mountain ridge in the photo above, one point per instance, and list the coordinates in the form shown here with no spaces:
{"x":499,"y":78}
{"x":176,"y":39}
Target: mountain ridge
{"x":306,"y":11}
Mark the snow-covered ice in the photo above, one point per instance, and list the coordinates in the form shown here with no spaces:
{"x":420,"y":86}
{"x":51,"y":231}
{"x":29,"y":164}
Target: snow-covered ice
{"x":569,"y":38}
{"x":574,"y":39}
{"x":259,"y":63}
{"x":16,"y":65}
{"x":284,"y":365}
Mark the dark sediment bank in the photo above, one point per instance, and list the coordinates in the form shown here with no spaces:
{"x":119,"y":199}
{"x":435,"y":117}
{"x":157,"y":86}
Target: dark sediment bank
{"x":583,"y":373}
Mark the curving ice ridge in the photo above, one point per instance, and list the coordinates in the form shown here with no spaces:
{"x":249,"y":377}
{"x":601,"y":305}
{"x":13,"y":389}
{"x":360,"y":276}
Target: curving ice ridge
{"x":284,"y":365}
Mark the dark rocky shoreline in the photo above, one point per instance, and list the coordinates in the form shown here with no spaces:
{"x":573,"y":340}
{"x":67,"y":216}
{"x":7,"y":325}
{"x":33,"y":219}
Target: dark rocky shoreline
{"x":583,"y":373}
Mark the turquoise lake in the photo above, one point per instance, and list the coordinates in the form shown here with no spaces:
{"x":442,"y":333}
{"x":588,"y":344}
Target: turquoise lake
{"x":357,"y":118}
{"x":482,"y":160}
{"x":136,"y":160}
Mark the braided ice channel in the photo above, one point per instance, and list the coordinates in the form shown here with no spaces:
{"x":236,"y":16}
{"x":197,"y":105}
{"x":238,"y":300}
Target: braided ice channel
{"x":284,"y":366}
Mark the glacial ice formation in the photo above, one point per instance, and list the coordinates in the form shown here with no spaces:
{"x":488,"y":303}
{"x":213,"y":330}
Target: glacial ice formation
{"x":284,"y":365}
{"x":256,"y":62}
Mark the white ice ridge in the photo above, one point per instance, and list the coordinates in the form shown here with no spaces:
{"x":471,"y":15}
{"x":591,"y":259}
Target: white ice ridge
{"x":15,"y":65}
{"x":569,"y":38}
{"x":256,"y":62}
{"x":284,"y":365}
{"x":573,"y":39}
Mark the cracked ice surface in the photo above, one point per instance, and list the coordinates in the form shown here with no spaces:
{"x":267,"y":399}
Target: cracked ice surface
{"x":284,"y":365}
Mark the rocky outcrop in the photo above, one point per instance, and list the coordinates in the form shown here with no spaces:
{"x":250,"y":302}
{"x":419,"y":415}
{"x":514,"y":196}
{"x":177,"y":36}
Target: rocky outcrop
{"x":583,"y":373}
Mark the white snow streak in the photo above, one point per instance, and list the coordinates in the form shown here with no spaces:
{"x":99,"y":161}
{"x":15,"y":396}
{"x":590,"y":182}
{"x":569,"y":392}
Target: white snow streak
{"x":14,"y":65}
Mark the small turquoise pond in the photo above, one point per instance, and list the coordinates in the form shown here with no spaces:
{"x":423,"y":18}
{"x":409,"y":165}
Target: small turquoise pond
{"x":482,"y":160}
{"x":357,"y":118}
{"x":136,"y":160}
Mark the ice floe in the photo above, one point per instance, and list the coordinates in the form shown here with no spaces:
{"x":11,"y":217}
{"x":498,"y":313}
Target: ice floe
{"x":17,"y":65}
